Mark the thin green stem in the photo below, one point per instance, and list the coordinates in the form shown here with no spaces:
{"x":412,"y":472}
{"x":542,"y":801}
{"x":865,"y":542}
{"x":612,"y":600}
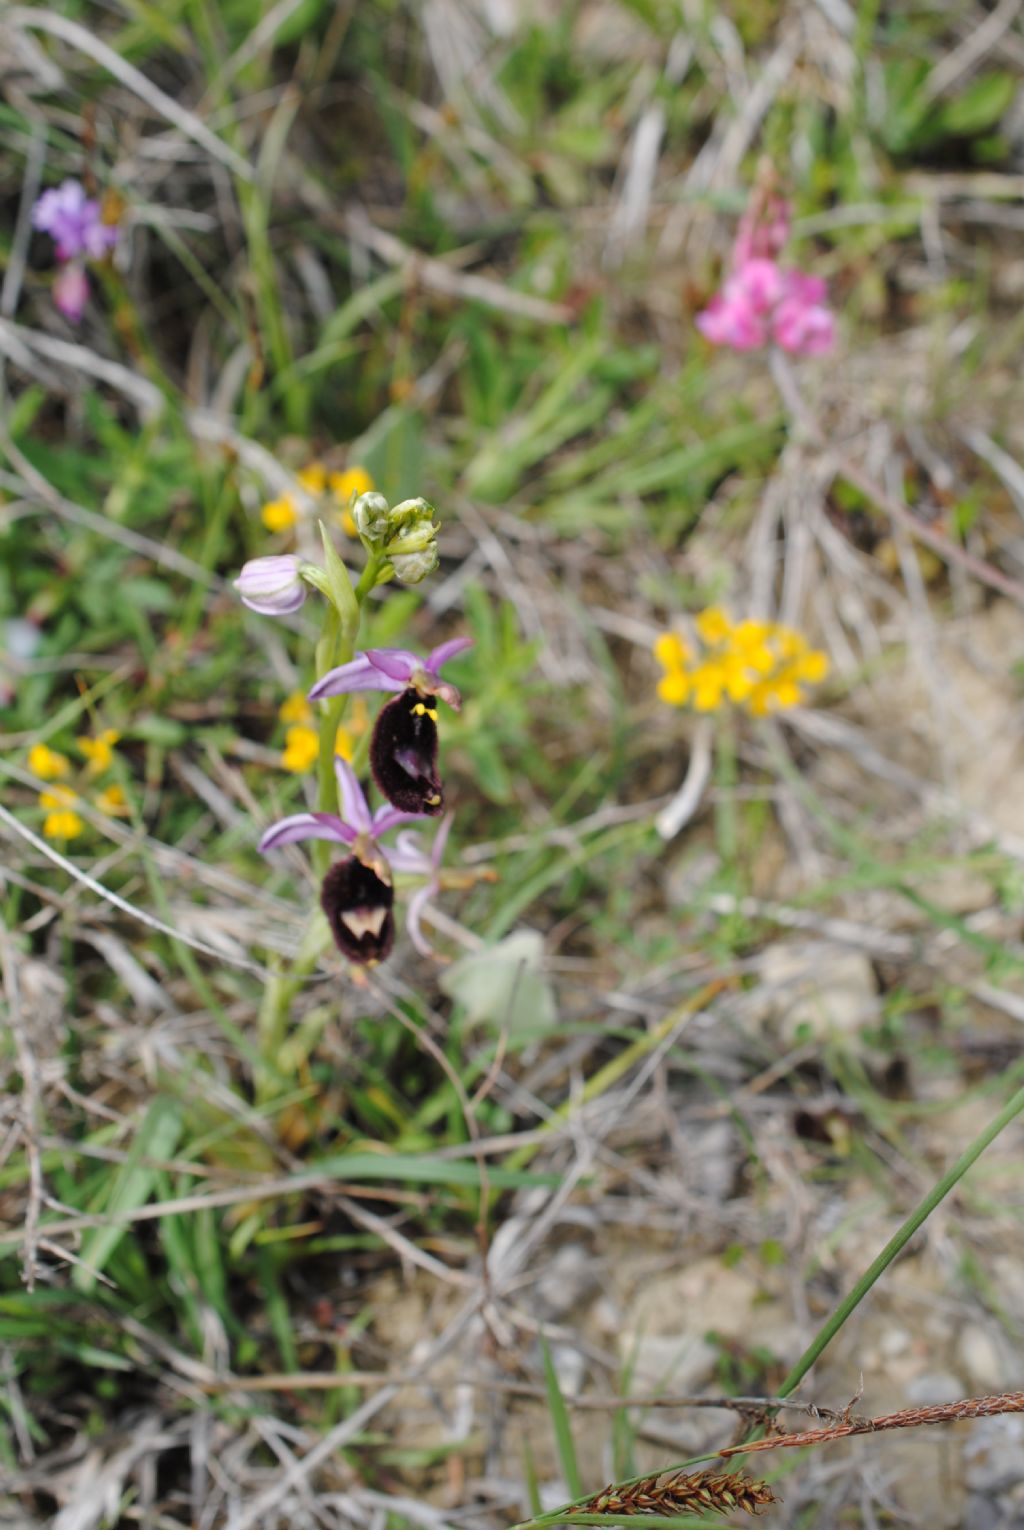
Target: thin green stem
{"x":327,"y":782}
{"x":899,"y":1240}
{"x":346,"y":636}
{"x":834,"y":1323}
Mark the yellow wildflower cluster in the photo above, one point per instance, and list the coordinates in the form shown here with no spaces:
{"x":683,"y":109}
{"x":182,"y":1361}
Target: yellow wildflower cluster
{"x":282,"y":514}
{"x":59,"y":801}
{"x":302,"y":740}
{"x":761,"y":666}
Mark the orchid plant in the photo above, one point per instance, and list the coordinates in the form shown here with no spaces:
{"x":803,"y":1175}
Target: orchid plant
{"x":357,"y":894}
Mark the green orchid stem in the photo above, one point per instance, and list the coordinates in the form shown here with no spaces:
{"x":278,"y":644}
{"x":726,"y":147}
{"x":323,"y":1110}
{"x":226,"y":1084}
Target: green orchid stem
{"x":333,"y":710}
{"x":337,"y":645}
{"x":831,"y":1327}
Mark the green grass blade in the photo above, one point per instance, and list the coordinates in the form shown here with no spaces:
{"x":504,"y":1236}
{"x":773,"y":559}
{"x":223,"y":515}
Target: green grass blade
{"x":899,"y":1240}
{"x":130,"y":1187}
{"x":560,"y":1421}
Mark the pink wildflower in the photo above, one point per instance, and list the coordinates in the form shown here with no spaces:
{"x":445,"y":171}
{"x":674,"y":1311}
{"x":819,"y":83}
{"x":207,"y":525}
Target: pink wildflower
{"x":761,"y":301}
{"x":802,"y":323}
{"x":730,"y":319}
{"x":763,"y":231}
{"x":71,"y":291}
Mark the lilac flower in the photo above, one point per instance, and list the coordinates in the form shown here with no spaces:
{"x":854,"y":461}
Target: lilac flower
{"x":74,"y":222}
{"x":273,"y":586}
{"x":71,"y":292}
{"x":356,"y":895}
{"x":403,"y":749}
{"x":408,"y":855}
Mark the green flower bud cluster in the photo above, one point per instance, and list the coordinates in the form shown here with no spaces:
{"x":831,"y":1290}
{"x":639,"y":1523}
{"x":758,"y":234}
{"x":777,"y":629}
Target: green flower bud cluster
{"x":405,"y":533}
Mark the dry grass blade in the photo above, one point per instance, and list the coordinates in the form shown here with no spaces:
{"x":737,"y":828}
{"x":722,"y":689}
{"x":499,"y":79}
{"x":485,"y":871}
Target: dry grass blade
{"x":905,"y":1418}
{"x":79,"y":37}
{"x":684,"y":1493}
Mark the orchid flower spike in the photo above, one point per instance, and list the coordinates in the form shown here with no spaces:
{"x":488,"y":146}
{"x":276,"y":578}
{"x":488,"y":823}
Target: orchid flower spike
{"x":356,"y":895}
{"x":409,"y":855}
{"x":403,"y":749}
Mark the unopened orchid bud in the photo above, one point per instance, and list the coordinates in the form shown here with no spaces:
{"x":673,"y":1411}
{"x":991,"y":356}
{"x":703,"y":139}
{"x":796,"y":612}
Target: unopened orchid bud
{"x":417,"y":538}
{"x":412,"y":567}
{"x":371,"y":515}
{"x":273,"y":586}
{"x":410,"y":512}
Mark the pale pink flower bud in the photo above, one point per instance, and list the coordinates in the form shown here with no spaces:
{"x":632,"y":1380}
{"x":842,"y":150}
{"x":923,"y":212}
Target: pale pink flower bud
{"x":272,"y":586}
{"x":71,"y":292}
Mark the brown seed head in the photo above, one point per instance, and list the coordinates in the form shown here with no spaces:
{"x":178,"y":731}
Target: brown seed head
{"x":684,"y":1492}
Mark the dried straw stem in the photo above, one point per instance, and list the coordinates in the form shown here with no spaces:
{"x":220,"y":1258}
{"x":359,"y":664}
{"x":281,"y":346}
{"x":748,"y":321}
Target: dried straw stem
{"x":906,"y":1418}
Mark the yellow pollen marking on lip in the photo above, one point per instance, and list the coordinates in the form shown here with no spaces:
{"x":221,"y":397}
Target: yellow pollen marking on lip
{"x":434,"y":800}
{"x":422,"y":710}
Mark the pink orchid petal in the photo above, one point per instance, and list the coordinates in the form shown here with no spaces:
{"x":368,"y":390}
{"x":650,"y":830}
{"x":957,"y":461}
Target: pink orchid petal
{"x":439,"y":656}
{"x":414,"y":912}
{"x":397,"y":663}
{"x":305,"y":826}
{"x":387,"y":817}
{"x":410,"y":843}
{"x":437,"y":849}
{"x":354,"y":807}
{"x":406,"y":858}
{"x":358,"y":675}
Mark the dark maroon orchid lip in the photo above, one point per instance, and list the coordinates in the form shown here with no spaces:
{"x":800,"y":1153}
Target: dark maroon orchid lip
{"x":358,"y":907}
{"x":403,"y":754}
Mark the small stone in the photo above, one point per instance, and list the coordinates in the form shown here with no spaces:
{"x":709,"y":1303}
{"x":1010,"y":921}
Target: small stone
{"x":979,"y":1514}
{"x":994,"y":1454}
{"x":566,"y":1283}
{"x":679,"y":1363}
{"x":934,"y":1387}
{"x":893,"y":1342}
{"x":711,"y":1156}
{"x":980,"y":1359}
{"x":815,"y":989}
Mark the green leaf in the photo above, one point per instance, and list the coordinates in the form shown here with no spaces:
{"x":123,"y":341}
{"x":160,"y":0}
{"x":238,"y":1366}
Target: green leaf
{"x":420,"y":1170}
{"x":980,"y":106}
{"x":339,"y":586}
{"x":392,"y":453}
{"x":560,"y":1423}
{"x":129,"y":1188}
{"x":504,"y":984}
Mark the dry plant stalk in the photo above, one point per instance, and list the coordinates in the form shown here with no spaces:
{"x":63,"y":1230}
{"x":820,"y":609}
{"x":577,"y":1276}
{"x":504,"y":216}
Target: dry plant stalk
{"x":906,"y":1418}
{"x":683,"y":1492}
